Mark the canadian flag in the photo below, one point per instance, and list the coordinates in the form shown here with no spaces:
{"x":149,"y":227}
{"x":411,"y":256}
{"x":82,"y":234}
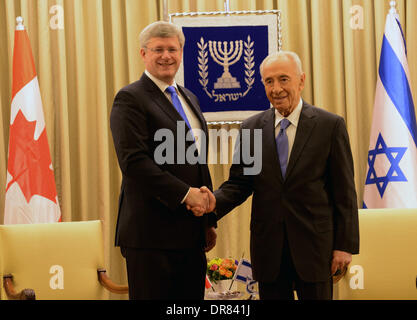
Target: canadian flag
{"x":31,"y":195}
{"x":208,"y":284}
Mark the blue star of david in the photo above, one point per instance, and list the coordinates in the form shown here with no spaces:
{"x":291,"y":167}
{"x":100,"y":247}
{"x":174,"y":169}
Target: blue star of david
{"x":394,"y":173}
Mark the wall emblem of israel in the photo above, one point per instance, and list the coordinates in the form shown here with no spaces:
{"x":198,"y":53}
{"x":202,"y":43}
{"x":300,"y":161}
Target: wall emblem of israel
{"x":221,"y":59}
{"x":226,"y":54}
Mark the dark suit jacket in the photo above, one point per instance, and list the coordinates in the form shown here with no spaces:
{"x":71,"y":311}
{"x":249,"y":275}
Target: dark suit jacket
{"x":150,"y":211}
{"x":316,"y":201}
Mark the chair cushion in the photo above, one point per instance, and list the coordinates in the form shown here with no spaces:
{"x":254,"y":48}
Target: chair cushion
{"x":386,"y":267}
{"x":57,"y":260}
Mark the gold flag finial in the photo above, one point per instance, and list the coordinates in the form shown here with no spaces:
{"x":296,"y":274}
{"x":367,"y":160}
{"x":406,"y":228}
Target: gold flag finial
{"x":19,"y":23}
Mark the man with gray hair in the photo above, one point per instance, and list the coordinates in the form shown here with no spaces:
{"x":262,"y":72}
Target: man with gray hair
{"x":304,"y":221}
{"x":163,"y":242}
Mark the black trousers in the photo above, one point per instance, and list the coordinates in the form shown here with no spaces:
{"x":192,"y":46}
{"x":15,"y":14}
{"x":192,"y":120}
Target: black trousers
{"x":165,"y":274}
{"x":288,"y":281}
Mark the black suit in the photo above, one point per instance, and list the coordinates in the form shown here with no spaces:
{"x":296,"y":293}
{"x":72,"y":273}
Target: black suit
{"x":313,"y":209}
{"x":151,"y":216}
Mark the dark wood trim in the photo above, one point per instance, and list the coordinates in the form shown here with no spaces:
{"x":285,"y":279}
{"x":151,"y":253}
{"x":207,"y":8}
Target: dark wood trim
{"x":107,"y":283}
{"x":25,"y":294}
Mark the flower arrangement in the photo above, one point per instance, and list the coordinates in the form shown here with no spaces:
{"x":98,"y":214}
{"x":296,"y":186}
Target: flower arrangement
{"x":221,"y":269}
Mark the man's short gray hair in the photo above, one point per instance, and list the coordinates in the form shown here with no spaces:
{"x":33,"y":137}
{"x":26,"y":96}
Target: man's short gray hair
{"x":289,"y":54}
{"x":161,"y":29}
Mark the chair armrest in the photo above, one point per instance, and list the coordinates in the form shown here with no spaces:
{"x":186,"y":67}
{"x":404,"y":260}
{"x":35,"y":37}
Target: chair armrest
{"x":107,"y":283}
{"x":25,"y":294}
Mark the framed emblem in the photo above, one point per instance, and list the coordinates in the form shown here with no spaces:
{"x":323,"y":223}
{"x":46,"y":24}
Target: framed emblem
{"x":222,"y":55}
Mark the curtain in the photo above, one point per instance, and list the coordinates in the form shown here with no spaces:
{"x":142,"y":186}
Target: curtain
{"x":85,"y":51}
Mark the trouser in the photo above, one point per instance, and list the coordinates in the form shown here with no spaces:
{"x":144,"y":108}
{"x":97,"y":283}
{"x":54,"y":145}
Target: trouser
{"x":165,"y":274}
{"x":288,"y":281}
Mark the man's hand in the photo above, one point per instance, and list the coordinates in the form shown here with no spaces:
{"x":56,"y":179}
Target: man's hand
{"x":197,"y":201}
{"x":211,"y":237}
{"x":212,"y":199}
{"x":340,"y":261}
{"x":199,"y":210}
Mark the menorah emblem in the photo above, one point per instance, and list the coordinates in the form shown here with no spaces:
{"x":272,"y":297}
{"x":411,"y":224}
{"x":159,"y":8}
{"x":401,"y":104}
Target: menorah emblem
{"x":226,"y":57}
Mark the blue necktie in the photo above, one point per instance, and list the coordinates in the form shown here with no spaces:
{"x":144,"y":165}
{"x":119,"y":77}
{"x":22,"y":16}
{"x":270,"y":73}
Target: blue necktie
{"x":282,"y":145}
{"x":177,"y":104}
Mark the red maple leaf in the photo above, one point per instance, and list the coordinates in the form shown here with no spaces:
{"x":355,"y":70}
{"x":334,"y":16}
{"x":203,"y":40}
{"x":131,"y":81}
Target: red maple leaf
{"x":29,"y":160}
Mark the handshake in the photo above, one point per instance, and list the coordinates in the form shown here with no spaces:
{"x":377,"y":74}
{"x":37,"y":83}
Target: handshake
{"x":200,"y":201}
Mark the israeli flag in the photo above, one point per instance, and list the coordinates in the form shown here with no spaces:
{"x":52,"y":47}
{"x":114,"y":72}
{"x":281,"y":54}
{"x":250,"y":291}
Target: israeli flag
{"x":243,"y":272}
{"x":391,"y":179}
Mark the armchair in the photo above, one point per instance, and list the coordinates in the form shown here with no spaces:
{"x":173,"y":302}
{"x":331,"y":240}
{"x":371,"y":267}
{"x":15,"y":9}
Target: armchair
{"x":386,"y":267}
{"x":54,"y":261}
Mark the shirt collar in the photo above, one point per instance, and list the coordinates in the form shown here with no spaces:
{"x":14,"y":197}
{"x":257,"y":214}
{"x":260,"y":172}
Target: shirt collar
{"x":161,"y":84}
{"x":293,"y":117}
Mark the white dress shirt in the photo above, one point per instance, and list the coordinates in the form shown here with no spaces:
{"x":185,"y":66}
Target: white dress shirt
{"x":192,"y":118}
{"x":294,"y":117}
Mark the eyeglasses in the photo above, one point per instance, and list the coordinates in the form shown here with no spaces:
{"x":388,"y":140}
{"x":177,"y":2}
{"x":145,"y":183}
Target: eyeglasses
{"x":160,"y":51}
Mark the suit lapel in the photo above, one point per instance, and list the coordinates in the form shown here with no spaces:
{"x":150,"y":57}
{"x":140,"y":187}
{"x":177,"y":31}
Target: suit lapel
{"x":270,"y":144}
{"x":166,"y":106}
{"x":160,"y":99}
{"x":194,"y":108}
{"x":305,"y":126}
{"x":203,"y":169}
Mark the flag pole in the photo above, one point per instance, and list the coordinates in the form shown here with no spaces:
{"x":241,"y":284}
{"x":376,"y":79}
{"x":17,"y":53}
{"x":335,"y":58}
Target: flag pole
{"x":227,"y":7}
{"x":233,"y":280}
{"x":165,"y":10}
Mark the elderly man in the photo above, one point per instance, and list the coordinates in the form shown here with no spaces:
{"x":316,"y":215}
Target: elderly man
{"x":304,"y":221}
{"x":162,"y":241}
